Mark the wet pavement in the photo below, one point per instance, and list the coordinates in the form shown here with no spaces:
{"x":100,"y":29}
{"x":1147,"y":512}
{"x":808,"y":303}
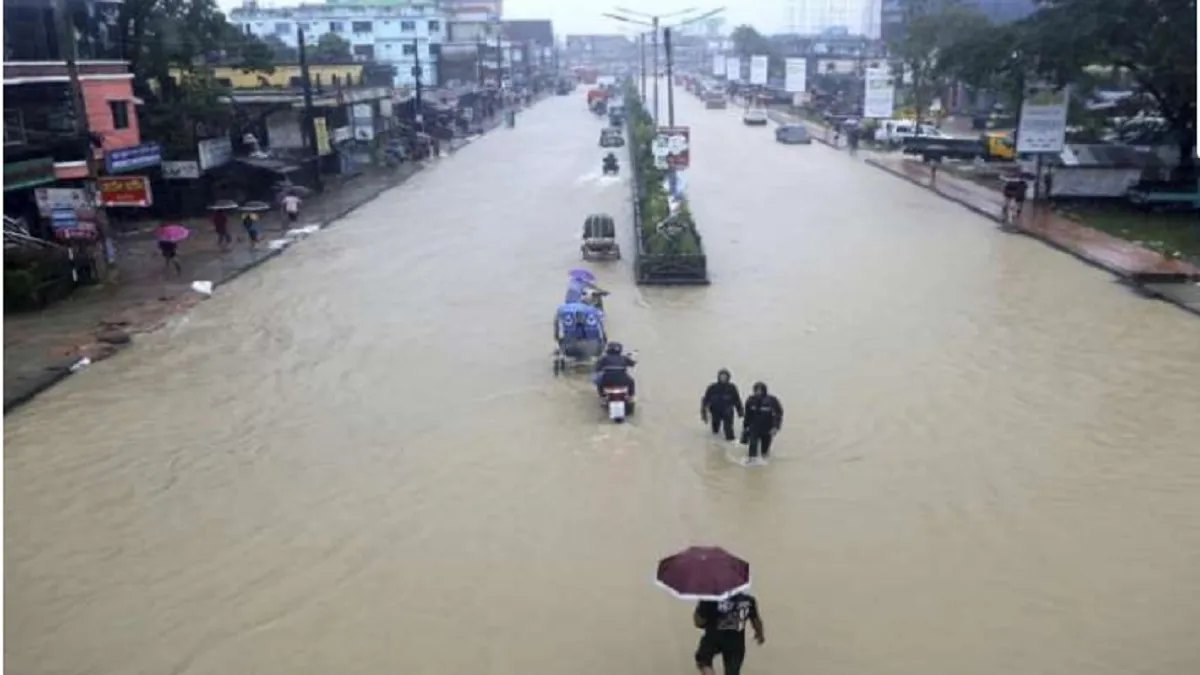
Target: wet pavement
{"x":358,"y":460}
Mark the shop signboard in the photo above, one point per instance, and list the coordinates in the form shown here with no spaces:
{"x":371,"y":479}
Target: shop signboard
{"x":124,"y":191}
{"x":183,"y":170}
{"x":51,"y":199}
{"x":30,"y":173}
{"x":120,"y":160}
{"x":214,"y":152}
{"x":322,"y":134}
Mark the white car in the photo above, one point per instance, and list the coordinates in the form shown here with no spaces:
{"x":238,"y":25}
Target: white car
{"x":755,"y":117}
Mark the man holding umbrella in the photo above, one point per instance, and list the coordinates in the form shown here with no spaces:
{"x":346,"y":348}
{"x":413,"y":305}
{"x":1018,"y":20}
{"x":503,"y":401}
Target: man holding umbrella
{"x":718,"y":580}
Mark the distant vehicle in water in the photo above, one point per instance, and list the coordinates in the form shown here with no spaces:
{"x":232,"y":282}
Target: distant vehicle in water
{"x":793,"y":134}
{"x":755,"y":117}
{"x":715,"y":102}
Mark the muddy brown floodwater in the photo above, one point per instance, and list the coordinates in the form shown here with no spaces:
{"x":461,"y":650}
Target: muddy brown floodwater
{"x":356,"y":460}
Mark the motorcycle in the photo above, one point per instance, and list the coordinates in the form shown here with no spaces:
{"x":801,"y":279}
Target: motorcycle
{"x":611,"y":168}
{"x":616,"y":399}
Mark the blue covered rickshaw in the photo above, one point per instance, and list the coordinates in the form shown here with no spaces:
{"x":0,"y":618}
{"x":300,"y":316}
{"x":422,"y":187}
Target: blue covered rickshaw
{"x":579,"y":336}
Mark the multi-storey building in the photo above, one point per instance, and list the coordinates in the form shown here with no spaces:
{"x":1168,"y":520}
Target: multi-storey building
{"x":42,"y":139}
{"x":397,"y":33}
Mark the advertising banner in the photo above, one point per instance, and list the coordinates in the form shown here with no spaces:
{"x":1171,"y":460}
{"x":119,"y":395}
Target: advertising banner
{"x":1043,"y":120}
{"x":128,"y":191}
{"x":795,"y":75}
{"x":758,"y":69}
{"x":879,"y":99}
{"x":733,"y":68}
{"x":672,"y":148}
{"x":718,"y":65}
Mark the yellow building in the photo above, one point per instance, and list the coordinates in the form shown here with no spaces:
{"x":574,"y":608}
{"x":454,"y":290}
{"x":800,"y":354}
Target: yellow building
{"x":285,"y":76}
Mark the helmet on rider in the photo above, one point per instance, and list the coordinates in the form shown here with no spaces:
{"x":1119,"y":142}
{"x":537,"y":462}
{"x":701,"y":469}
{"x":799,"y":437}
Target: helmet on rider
{"x":615,"y":348}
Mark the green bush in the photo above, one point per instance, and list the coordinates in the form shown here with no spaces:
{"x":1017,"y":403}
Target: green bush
{"x":654,"y":202}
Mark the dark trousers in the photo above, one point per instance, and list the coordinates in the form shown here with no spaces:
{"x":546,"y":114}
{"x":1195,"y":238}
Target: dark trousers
{"x":731,"y":645}
{"x":759,"y":441}
{"x":721,"y":419}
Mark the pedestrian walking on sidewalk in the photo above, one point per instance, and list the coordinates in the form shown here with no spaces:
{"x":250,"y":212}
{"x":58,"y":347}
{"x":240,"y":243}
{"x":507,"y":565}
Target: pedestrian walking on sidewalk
{"x":168,"y":237}
{"x":721,"y":400}
{"x":764,"y":416}
{"x":250,"y":224}
{"x":291,"y":207}
{"x":220,"y":223}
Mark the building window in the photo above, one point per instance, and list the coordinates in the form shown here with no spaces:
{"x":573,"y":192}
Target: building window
{"x":296,"y":82}
{"x":408,"y":26}
{"x":408,"y":50}
{"x":336,"y":27}
{"x":283,"y":29}
{"x":361,"y":26}
{"x":434,"y":26}
{"x":120,"y":114}
{"x":364,"y":52}
{"x":303,"y":25}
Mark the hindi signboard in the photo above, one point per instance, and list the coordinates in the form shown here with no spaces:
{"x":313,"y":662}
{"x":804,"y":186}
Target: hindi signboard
{"x":795,"y":75}
{"x":758,"y":69}
{"x":1043,"y":120}
{"x":879,"y":98}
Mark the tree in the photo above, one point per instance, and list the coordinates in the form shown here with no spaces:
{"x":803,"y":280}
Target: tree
{"x":1150,"y":40}
{"x":170,"y":46}
{"x":281,"y":52}
{"x":332,"y":48}
{"x":749,"y":42}
{"x":931,"y":27}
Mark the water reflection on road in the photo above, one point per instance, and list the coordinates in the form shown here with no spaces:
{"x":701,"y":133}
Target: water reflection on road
{"x":356,"y":460}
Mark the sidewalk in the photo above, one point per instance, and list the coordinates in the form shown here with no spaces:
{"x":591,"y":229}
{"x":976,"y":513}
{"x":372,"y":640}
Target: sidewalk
{"x":1153,"y":272}
{"x":95,"y":322}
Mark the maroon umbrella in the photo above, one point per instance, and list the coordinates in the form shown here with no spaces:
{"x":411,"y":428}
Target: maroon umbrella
{"x":703,"y":573}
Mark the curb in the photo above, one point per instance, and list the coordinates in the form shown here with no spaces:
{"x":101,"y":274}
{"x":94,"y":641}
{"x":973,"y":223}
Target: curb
{"x":1122,"y":275}
{"x":51,"y":376}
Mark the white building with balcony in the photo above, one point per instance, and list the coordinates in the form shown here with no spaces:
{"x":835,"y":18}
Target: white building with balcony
{"x":395,"y":34}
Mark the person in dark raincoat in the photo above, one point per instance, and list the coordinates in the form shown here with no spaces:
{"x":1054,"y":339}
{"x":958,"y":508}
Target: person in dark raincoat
{"x":721,"y":400}
{"x":764,"y":416}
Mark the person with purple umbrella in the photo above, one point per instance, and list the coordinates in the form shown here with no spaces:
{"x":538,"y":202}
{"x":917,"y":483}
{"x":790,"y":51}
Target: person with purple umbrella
{"x":724,"y":626}
{"x":581,"y":287}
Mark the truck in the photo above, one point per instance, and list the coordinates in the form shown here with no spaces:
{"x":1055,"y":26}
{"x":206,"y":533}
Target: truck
{"x":938,"y":148}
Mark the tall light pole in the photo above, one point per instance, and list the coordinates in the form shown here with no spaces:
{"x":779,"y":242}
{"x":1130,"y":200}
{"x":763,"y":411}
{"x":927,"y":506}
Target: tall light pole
{"x":654,"y":24}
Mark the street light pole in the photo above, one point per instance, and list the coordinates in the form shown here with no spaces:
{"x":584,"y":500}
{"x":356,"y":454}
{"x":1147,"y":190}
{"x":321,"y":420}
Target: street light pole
{"x":670,"y":78}
{"x":310,"y":120}
{"x":654,"y":21}
{"x":642,"y":79}
{"x":416,"y":73}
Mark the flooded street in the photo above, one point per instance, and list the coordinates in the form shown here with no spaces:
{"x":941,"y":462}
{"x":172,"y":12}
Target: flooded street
{"x":356,"y":459}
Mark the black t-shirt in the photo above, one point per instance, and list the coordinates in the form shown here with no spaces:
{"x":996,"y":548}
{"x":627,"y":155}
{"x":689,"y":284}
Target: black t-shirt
{"x":728,"y":615}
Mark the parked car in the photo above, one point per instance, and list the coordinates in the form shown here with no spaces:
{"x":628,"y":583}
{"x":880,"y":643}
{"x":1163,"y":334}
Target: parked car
{"x":793,"y":133}
{"x":715,"y":102}
{"x":755,"y":117}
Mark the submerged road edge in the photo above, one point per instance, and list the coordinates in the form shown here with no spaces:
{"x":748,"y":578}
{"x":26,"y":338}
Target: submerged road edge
{"x":1122,"y":275}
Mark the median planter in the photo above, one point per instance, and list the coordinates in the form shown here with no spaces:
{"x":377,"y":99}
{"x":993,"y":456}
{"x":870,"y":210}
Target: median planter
{"x":669,"y":249}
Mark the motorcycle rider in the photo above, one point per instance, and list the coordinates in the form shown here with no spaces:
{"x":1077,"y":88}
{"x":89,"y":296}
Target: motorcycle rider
{"x":764,"y":416}
{"x":721,"y":400}
{"x":612,"y":369}
{"x":611,"y":164}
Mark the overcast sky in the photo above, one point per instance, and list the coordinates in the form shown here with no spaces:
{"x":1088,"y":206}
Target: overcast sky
{"x":583,"y":16}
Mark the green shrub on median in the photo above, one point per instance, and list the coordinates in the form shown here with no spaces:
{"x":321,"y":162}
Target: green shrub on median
{"x":653,"y":200}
